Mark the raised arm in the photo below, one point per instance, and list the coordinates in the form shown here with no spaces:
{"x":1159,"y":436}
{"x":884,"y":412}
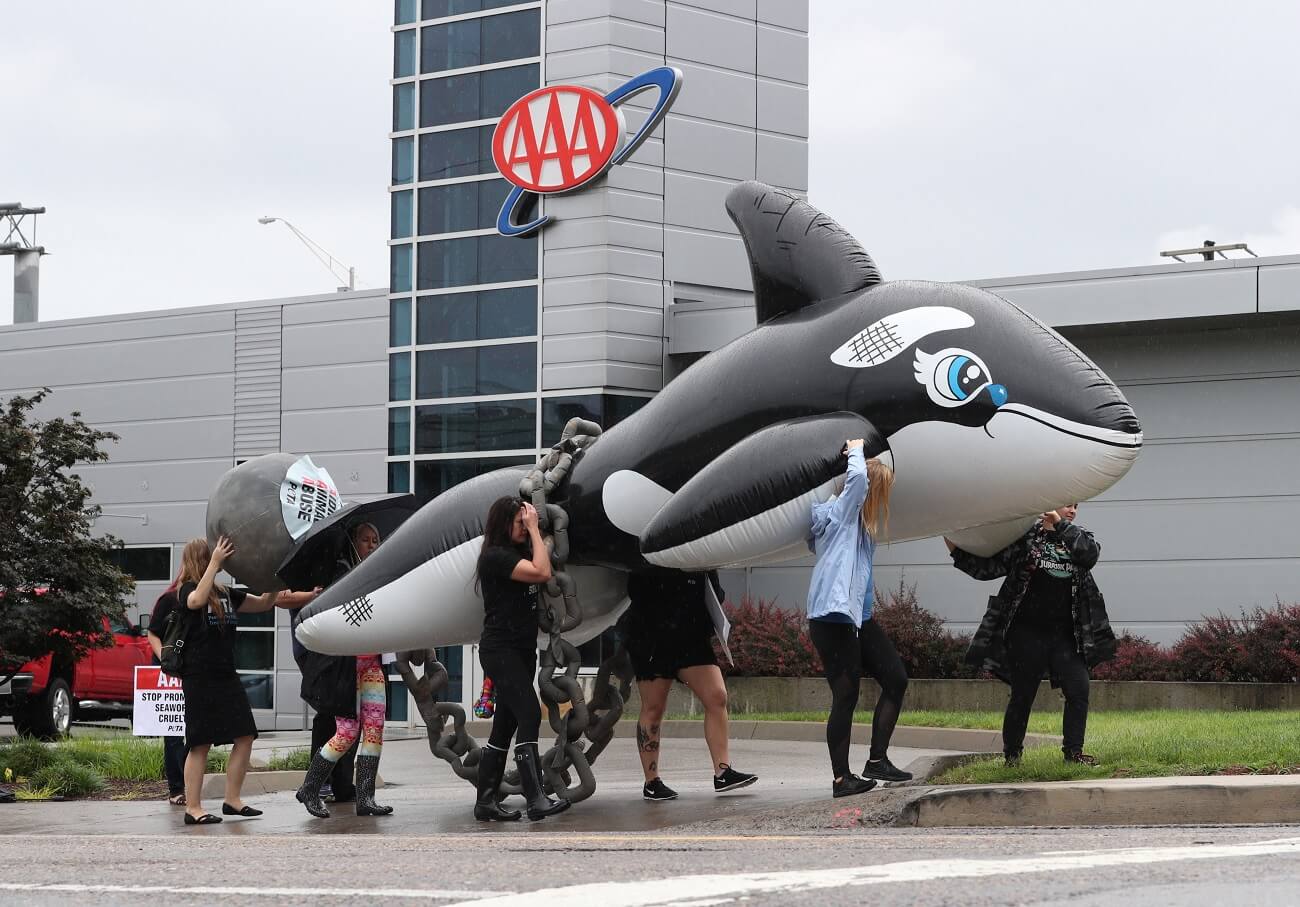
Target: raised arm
{"x":198,"y":599}
{"x":1085,"y":550}
{"x":538,"y":570}
{"x":849,"y":502}
{"x":994,"y":566}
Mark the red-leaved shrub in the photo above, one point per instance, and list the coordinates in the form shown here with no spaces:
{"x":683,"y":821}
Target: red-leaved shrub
{"x":1136,"y":658}
{"x":769,"y":641}
{"x":1262,"y":646}
{"x":926,"y":647}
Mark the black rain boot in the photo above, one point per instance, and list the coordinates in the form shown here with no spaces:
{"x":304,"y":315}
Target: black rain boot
{"x":491,"y":768}
{"x":367,"y":773}
{"x":309,"y":794}
{"x":530,"y":776}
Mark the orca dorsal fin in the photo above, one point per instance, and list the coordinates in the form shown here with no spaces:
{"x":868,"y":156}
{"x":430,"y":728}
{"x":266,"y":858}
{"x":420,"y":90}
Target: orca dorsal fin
{"x":797,"y":255}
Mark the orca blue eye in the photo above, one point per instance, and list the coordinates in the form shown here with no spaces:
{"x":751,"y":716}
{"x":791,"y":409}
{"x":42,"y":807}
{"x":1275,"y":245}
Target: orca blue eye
{"x":964,"y":377}
{"x":954,"y":377}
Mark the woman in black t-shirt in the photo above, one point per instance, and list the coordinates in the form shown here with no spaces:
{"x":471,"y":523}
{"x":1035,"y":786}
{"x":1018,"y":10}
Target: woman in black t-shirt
{"x":512,"y":565}
{"x":216,"y":706}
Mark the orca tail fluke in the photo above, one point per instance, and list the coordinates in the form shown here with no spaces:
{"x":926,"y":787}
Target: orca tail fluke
{"x":797,"y":255}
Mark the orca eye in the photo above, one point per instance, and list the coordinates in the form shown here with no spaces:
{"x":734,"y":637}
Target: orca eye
{"x":954,"y":377}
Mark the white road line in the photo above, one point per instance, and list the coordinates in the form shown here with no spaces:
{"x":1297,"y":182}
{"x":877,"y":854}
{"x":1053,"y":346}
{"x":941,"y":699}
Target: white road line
{"x":698,"y":889}
{"x":441,"y":894}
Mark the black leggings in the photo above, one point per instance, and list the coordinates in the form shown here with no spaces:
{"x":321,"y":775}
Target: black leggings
{"x":846,"y":652}
{"x":517,"y":713}
{"x":1031,"y":652}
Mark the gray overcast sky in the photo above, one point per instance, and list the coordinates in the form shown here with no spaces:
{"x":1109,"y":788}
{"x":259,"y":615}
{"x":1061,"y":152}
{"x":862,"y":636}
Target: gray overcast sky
{"x":955,"y":139}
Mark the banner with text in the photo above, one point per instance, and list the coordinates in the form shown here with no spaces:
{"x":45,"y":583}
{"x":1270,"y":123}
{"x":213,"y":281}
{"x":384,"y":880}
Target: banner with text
{"x":159,"y":704}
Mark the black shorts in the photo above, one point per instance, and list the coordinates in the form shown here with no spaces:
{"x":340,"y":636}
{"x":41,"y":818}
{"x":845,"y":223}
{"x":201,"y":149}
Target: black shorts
{"x":657,"y":657}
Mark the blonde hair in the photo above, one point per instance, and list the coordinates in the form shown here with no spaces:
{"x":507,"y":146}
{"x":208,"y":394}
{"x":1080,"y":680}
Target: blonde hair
{"x":194,"y":563}
{"x":875,"y":509}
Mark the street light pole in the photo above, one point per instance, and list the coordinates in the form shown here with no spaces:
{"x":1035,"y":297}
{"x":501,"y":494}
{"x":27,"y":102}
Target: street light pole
{"x":325,"y":258}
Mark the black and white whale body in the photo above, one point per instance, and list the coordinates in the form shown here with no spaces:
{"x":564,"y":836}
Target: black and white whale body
{"x":987,"y":415}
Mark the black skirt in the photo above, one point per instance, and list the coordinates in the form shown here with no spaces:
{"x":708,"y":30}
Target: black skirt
{"x":216,"y":709}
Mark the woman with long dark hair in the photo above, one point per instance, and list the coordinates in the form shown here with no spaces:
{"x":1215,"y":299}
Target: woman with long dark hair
{"x":512,"y":566}
{"x":840,"y":599}
{"x":216,"y":707}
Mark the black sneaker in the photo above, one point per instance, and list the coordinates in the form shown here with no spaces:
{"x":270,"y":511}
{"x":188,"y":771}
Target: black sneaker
{"x":1011,"y":760}
{"x":657,"y":790}
{"x":730,"y":779}
{"x":1080,"y":757}
{"x":884,"y":770}
{"x":850,"y":785}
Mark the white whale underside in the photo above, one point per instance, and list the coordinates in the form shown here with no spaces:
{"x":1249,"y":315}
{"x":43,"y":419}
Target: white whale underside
{"x":981,"y":486}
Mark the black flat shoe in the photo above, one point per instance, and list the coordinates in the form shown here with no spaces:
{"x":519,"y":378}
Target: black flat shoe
{"x":205,"y":819}
{"x":247,"y":812}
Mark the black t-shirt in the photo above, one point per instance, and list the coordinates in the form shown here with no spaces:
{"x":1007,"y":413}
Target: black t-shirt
{"x":667,"y":603}
{"x":509,"y":607}
{"x":210,"y":641}
{"x":1048,"y":599}
{"x":164,"y":606}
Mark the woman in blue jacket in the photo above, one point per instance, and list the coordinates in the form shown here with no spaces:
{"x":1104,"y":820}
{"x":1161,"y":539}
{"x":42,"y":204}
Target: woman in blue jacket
{"x":840,"y":598}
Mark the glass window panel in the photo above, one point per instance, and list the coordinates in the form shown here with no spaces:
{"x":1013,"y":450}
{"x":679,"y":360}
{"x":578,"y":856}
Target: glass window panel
{"x":456,"y":427}
{"x":454,"y":45}
{"x":404,"y":53}
{"x":144,"y":564}
{"x":403,"y":160}
{"x":452,"y":99}
{"x":399,"y":431}
{"x":452,"y":658}
{"x":399,"y":322}
{"x":399,"y":268}
{"x":507,"y":313}
{"x":446,"y":319}
{"x":255,"y":650}
{"x":449,"y":209}
{"x":264,"y":619}
{"x":557,"y":411}
{"x":507,"y":369}
{"x":502,"y":87}
{"x":491,"y":194}
{"x":446,"y":373}
{"x":456,"y":152}
{"x":506,"y":258}
{"x":433,"y":477}
{"x":403,"y":11}
{"x":618,"y":407}
{"x":259,"y":688}
{"x":507,"y":425}
{"x":399,"y":478}
{"x":449,"y":428}
{"x":397,"y":701}
{"x":449,"y":263}
{"x":511,"y":36}
{"x":436,"y":9}
{"x":399,"y":376}
{"x":403,"y":106}
{"x":402,"y":204}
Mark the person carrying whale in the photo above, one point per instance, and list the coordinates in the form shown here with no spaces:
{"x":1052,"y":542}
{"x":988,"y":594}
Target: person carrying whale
{"x":849,"y":641}
{"x":1048,"y":618}
{"x":513,"y":564}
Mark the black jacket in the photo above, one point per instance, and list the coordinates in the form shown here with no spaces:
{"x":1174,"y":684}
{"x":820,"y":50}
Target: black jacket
{"x":1093,"y":636}
{"x":329,"y":682}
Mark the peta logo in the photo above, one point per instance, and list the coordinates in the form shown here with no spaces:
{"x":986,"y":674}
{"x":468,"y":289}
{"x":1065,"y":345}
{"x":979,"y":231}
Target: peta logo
{"x":561,"y":137}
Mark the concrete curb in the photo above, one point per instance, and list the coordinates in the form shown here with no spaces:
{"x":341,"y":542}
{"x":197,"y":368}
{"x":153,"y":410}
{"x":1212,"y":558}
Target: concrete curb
{"x":256,"y":782}
{"x":1220,"y":800}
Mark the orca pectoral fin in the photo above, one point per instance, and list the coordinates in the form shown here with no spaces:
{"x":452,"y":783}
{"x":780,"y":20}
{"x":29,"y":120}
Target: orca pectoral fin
{"x":757,"y":497}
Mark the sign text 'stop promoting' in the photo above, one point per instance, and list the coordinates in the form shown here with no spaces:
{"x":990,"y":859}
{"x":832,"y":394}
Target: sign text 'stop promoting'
{"x":561,"y":137}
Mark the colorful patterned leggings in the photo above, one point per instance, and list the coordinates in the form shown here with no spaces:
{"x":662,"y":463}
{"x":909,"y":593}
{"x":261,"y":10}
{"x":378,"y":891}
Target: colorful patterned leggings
{"x":370,"y":711}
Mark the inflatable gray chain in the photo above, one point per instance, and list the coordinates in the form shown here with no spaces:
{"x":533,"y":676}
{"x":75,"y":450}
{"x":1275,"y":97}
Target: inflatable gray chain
{"x":557,"y":675}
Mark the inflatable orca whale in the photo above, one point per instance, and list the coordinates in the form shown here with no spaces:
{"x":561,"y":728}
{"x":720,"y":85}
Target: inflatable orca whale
{"x":987,"y":415}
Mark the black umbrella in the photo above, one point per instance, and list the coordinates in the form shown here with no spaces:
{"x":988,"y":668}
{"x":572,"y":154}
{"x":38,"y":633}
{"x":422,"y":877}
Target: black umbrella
{"x":311,"y":562}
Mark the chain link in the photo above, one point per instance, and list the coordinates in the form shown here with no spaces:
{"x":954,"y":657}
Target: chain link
{"x":558,"y":663}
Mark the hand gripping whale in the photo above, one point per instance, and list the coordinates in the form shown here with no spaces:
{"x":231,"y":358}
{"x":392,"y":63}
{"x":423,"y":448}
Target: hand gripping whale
{"x":987,"y":415}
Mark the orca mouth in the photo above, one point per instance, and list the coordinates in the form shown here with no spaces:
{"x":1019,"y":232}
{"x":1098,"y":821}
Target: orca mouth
{"x":1108,"y":436}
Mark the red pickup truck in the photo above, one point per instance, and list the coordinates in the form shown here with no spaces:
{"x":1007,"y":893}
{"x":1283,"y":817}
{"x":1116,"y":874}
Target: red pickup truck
{"x":45,"y":696}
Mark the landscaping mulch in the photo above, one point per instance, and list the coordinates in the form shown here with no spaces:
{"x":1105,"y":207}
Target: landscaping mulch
{"x":131,"y":790}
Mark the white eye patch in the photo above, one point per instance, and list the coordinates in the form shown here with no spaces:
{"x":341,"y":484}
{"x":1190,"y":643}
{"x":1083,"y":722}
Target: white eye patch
{"x":893,"y":334}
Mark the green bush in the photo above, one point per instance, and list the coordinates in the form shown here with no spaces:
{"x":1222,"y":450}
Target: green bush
{"x":26,"y":756}
{"x":295,"y":760}
{"x":91,"y":752}
{"x":217,"y":760}
{"x":69,"y":779}
{"x":135,"y":759}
